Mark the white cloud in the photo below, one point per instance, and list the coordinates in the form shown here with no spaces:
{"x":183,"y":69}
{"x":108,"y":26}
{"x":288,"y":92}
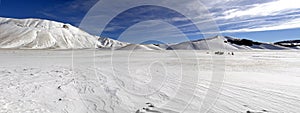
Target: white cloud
{"x":231,"y":15}
{"x":290,"y":24}
{"x":265,"y":9}
{"x":107,"y":9}
{"x":254,"y":16}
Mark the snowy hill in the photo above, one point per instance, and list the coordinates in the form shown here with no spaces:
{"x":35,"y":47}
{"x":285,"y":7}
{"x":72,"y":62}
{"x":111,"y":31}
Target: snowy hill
{"x":249,"y":44}
{"x":214,"y":43}
{"x":107,"y":43}
{"x":289,"y":43}
{"x":140,"y":47}
{"x":225,"y":43}
{"x":45,"y":34}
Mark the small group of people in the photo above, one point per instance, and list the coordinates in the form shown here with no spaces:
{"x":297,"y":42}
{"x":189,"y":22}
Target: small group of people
{"x":222,"y":53}
{"x":230,"y":53}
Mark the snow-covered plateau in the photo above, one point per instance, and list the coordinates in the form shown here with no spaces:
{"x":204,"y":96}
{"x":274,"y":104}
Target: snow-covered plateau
{"x":93,"y":81}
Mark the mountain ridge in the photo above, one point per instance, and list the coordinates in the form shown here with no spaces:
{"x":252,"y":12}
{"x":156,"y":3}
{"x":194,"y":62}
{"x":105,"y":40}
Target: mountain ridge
{"x":35,"y":33}
{"x":45,"y":34}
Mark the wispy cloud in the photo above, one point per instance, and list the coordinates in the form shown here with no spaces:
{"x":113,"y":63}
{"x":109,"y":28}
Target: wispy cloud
{"x":265,"y":9}
{"x":47,"y":14}
{"x":232,"y":16}
{"x":71,"y":11}
{"x":271,"y":15}
{"x":288,"y":24}
{"x":79,"y":5}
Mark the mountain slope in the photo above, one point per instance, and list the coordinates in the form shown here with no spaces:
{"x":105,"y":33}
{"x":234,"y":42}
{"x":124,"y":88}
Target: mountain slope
{"x":140,"y":47}
{"x":225,"y":43}
{"x":45,"y":34}
{"x":249,"y":44}
{"x":289,"y":43}
{"x":108,"y":43}
{"x":214,"y":43}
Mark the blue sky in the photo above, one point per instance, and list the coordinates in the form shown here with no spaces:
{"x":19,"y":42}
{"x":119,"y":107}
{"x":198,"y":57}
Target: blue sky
{"x":261,"y":20}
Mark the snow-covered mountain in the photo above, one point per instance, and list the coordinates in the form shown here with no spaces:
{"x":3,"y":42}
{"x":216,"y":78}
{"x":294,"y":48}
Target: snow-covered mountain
{"x":290,"y":43}
{"x":140,"y":47}
{"x":225,"y":43}
{"x":214,"y":43}
{"x":45,"y":34}
{"x":249,"y":44}
{"x":107,"y":43}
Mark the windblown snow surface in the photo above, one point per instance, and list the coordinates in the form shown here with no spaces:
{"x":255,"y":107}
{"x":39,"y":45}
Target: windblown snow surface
{"x":88,"y":81}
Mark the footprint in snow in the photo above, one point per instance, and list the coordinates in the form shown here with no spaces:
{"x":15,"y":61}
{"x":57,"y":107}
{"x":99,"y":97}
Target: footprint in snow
{"x":28,"y":71}
{"x":262,"y":111}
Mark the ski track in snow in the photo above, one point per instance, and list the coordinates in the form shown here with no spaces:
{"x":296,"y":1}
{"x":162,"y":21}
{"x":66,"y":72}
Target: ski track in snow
{"x":45,"y":82}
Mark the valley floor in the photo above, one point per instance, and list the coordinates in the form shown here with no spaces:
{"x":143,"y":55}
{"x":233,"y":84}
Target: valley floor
{"x":96,"y":81}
